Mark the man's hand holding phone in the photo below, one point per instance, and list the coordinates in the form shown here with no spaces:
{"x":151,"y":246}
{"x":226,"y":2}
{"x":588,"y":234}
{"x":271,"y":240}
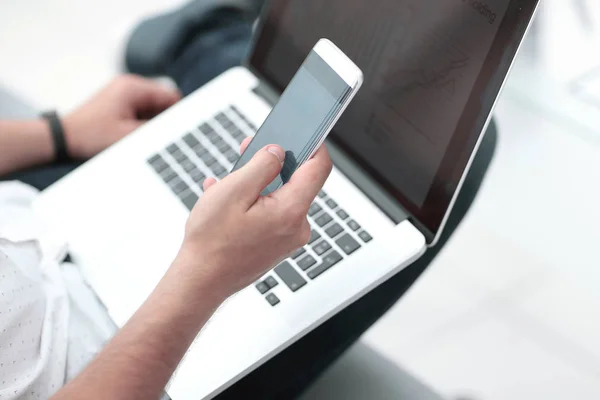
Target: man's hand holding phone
{"x":234,"y":235}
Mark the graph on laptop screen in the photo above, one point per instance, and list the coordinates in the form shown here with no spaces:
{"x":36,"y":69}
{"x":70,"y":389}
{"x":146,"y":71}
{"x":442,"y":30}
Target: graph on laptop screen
{"x":421,"y":60}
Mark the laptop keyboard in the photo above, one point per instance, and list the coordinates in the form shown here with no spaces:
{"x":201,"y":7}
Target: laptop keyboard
{"x":334,"y":236}
{"x":211,"y":150}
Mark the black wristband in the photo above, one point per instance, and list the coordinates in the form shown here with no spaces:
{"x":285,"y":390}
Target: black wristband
{"x":61,"y":152}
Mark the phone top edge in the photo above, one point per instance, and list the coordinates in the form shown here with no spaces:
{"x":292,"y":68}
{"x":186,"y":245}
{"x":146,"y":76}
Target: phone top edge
{"x":339,"y":62}
{"x":345,"y":103}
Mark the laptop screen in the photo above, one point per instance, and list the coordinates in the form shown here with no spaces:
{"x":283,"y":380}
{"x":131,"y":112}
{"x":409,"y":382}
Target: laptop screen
{"x":433,"y":69}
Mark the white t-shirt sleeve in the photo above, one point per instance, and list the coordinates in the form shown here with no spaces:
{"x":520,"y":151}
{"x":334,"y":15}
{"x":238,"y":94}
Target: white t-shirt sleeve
{"x":51,"y":324}
{"x":34,"y":317}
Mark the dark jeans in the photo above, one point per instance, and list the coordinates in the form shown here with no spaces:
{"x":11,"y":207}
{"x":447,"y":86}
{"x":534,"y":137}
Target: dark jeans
{"x":289,"y":373}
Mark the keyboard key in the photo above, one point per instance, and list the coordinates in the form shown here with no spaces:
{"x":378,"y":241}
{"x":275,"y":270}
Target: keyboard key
{"x":232,"y":156}
{"x":353,"y":225}
{"x":329,"y":261}
{"x":239,"y":135}
{"x":190,"y":200}
{"x":194,"y":172}
{"x":322,"y":194}
{"x":158,"y":164}
{"x":190,"y":140}
{"x":198,"y":176}
{"x":323,"y":220}
{"x":179,"y":156}
{"x":188,"y":166}
{"x":236,"y":111}
{"x":272,"y":299}
{"x":218,"y":169}
{"x":262,"y":287}
{"x":208,"y":159}
{"x":271,"y":282}
{"x":175,"y":181}
{"x":240,"y":139}
{"x":168,"y":175}
{"x":331,"y":204}
{"x":348,"y":244}
{"x":178,"y":186}
{"x":228,"y":126}
{"x":365,"y":236}
{"x":222,"y":118}
{"x":314,"y":209}
{"x":334,"y":230}
{"x":224,"y":147}
{"x":298,"y":253}
{"x":290,"y":276}
{"x":213,"y":136}
{"x":237,"y":132}
{"x":306,"y":262}
{"x":154,"y":158}
{"x":322,"y":247}
{"x":314,"y":235}
{"x":205,"y":128}
{"x":200,"y":150}
{"x":342,"y":214}
{"x":172,"y":148}
{"x":216,"y":139}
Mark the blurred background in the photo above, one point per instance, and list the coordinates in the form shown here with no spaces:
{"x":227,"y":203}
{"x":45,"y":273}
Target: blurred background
{"x":511,"y":309}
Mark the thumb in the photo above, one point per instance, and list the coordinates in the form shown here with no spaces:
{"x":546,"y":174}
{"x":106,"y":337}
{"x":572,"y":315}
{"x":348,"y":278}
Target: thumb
{"x":250,"y":180}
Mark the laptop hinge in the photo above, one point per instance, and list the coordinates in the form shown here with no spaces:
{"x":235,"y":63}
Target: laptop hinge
{"x":371,"y":189}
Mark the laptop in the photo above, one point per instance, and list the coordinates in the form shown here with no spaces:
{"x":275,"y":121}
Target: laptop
{"x":433,"y":71}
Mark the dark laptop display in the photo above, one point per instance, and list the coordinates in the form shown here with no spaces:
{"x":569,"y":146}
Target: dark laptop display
{"x":433,"y":69}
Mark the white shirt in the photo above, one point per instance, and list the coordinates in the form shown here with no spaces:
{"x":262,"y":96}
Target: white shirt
{"x":51,"y":323}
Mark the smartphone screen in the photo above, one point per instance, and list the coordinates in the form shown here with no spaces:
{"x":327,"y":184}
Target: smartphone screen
{"x":301,"y":117}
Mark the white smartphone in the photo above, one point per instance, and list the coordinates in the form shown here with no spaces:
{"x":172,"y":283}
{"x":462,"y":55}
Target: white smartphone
{"x":307,"y":110}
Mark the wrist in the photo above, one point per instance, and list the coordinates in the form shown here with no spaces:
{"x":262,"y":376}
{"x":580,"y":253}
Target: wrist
{"x":40,"y":139}
{"x":44,"y":140}
{"x":197,"y":275}
{"x":71,"y":127}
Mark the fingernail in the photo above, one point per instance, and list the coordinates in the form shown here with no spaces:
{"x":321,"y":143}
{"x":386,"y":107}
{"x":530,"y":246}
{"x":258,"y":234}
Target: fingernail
{"x":278,"y":151}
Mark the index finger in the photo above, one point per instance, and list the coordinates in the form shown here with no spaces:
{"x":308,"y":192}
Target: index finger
{"x":244,"y":144}
{"x":308,"y":180}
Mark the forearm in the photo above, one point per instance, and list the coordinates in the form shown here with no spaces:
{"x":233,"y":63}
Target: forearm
{"x":140,"y":359}
{"x":24,"y":144}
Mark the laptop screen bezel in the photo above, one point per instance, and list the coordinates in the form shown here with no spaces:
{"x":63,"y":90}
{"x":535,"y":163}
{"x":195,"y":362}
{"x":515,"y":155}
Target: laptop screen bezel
{"x":475,"y":117}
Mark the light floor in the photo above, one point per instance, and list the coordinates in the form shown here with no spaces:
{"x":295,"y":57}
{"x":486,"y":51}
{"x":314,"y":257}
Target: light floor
{"x":511,"y":309}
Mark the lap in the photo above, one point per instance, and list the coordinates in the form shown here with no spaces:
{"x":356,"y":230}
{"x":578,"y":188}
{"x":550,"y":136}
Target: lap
{"x":320,"y":348}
